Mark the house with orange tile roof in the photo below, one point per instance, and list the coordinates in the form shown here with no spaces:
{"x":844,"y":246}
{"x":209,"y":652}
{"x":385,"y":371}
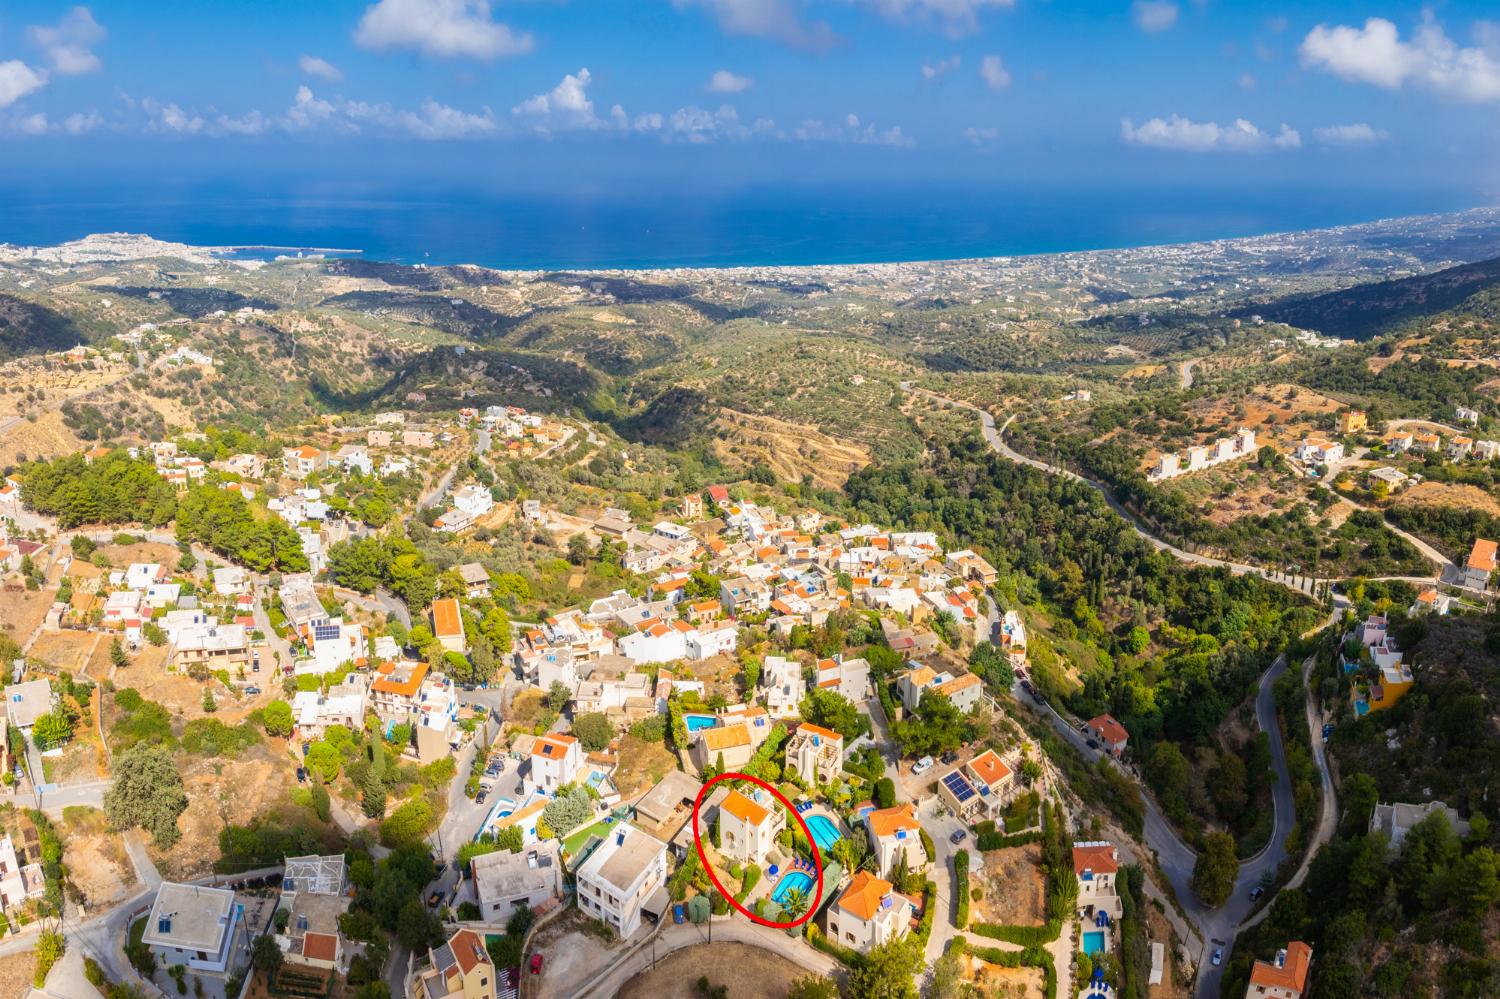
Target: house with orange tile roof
{"x":556,"y":759}
{"x":1481,"y":564}
{"x":731,"y":742}
{"x":1110,"y":734}
{"x":979,"y":789}
{"x":748,"y":827}
{"x":895,"y":833}
{"x":448,"y":625}
{"x":459,"y":969}
{"x":868,"y":914}
{"x":300,"y":462}
{"x":1285,"y":977}
{"x":849,"y":678}
{"x":1095,"y":864}
{"x":816,"y":754}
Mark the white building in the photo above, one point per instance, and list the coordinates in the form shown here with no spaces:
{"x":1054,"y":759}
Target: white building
{"x":868,"y":914}
{"x":555,"y":760}
{"x":784,"y":686}
{"x":618,"y":881}
{"x":505,"y":881}
{"x":194,"y":926}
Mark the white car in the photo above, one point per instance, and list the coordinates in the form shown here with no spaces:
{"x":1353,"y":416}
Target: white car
{"x":921,"y":766}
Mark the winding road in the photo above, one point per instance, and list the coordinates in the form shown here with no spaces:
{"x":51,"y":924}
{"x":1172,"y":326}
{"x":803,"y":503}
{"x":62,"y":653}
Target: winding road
{"x":1217,"y":927}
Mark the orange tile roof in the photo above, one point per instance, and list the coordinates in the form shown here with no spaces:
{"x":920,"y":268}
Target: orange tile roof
{"x":402,"y":688}
{"x":818,"y":730}
{"x":725,"y":737}
{"x":863,"y":896}
{"x":1108,"y":729}
{"x":744,"y":809}
{"x":307,"y":451}
{"x":1097,"y":858}
{"x":552,"y":747}
{"x":320,"y":946}
{"x":988,"y":767}
{"x":446,"y":619}
{"x":1291,"y":975}
{"x":1483,"y":555}
{"x":888,"y":821}
{"x":468,"y":950}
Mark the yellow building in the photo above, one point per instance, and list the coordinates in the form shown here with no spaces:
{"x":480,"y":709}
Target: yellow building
{"x":1353,"y":422}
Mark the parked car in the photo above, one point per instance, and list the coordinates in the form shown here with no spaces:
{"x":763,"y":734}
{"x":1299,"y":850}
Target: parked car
{"x":1218,"y":956}
{"x":1093,"y":744}
{"x":301,"y":775}
{"x":435,"y":899}
{"x":252,"y":690}
{"x":1256,"y":892}
{"x":536,"y":964}
{"x":484,"y":793}
{"x":922,"y":766}
{"x":950,"y":757}
{"x":958,"y":835}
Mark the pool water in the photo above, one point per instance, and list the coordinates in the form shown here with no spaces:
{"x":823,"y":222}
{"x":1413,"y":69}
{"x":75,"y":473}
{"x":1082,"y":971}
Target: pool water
{"x":794,"y":879}
{"x":824,"y":832}
{"x":1093,"y":942}
{"x":697,"y":723}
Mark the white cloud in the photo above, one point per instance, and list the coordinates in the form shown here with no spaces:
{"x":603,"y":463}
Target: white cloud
{"x":775,"y":20}
{"x":311,"y":65}
{"x":952,"y":17}
{"x":725,"y":82}
{"x":1247,"y":81}
{"x":1357,"y":134}
{"x":698,"y":126}
{"x":1152,"y":16}
{"x":852,"y":130}
{"x":253,"y":123}
{"x":439,"y":121}
{"x":441,"y":28}
{"x":69,"y":44}
{"x":941,"y":68}
{"x":81,"y":122}
{"x":431,"y":120}
{"x":17,"y":80}
{"x":565,"y":106}
{"x":1179,"y":133}
{"x":32,"y":124}
{"x":1377,"y":55}
{"x":981,"y":136}
{"x":171,"y":118}
{"x":993,"y":72}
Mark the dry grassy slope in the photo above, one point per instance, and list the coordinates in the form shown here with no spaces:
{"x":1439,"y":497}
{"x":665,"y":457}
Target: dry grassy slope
{"x":792,"y":450}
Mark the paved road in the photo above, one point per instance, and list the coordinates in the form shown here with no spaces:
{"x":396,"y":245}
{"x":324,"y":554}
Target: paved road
{"x":995,"y":437}
{"x":1185,"y":373}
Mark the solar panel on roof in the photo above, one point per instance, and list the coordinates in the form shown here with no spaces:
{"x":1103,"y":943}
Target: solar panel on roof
{"x":958,"y":787}
{"x":325,"y":632}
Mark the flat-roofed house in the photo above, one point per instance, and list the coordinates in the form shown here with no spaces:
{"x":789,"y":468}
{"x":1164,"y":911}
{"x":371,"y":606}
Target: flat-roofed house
{"x":747,"y":828}
{"x":193,"y":925}
{"x":895,"y":832}
{"x":784,"y":686}
{"x":448,"y":625}
{"x":666,"y":809}
{"x":312,"y":892}
{"x":26,"y":702}
{"x":459,"y":969}
{"x":624,"y":876}
{"x":816,"y":754}
{"x":18,"y":883}
{"x":868,"y":914}
{"x":505,"y":881}
{"x":1283,"y":977}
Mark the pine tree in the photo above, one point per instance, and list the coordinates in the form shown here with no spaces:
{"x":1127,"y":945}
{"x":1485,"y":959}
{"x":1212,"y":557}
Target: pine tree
{"x":117,"y":655}
{"x":209,"y":704}
{"x":374,"y":796}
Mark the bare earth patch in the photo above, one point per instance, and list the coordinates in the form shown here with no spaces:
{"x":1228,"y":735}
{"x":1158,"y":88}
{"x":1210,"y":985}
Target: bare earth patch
{"x":790,"y":449}
{"x":1014,"y":891}
{"x":1004,"y":983}
{"x":676,"y":977}
{"x":220,"y":793}
{"x":15,"y":975}
{"x":22,"y":612}
{"x":97,"y":862}
{"x":1462,"y":497}
{"x":642,"y":764}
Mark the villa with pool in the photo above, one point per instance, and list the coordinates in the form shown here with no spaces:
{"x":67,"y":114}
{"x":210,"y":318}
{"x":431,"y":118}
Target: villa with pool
{"x":1096,"y":865}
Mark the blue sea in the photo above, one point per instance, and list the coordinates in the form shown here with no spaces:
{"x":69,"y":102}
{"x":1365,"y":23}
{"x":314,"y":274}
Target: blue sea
{"x":752,"y":226}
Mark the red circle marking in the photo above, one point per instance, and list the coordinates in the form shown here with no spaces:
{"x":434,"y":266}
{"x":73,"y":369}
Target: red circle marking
{"x":728,"y":897}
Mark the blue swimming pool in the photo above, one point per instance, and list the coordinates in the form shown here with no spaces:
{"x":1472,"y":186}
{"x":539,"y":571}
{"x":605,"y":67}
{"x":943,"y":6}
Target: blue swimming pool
{"x":824,"y":832}
{"x":800,"y":880}
{"x":696,"y":723}
{"x":1093,"y":942}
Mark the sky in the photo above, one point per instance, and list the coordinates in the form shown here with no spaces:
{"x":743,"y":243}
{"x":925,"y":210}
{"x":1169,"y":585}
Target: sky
{"x":564,"y":96}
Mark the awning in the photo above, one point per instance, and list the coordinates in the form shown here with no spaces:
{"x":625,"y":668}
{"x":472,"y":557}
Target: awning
{"x":656,"y":906}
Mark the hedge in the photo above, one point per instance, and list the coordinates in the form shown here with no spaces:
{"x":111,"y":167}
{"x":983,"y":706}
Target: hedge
{"x":927,"y":843}
{"x":961,"y":892}
{"x":929,"y":900}
{"x":995,"y":840}
{"x":1021,"y":936}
